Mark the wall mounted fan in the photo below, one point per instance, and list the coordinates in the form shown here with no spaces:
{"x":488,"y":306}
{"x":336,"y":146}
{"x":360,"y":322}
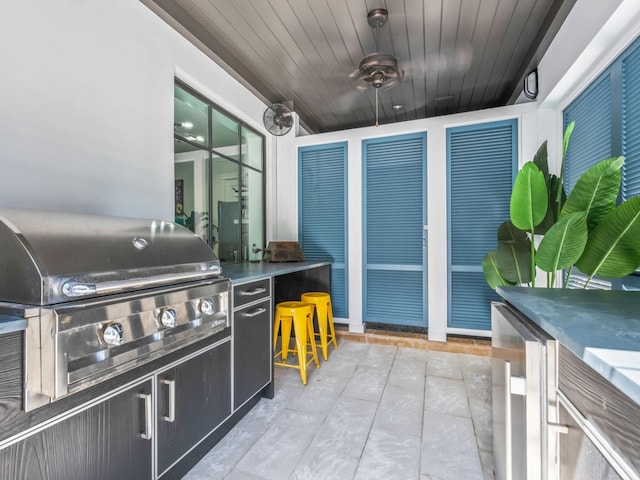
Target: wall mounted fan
{"x":278,"y":119}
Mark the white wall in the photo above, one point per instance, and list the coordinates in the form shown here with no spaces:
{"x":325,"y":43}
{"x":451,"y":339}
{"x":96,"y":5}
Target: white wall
{"x":86,"y":105}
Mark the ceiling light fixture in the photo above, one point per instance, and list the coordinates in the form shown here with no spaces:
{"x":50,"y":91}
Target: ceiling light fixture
{"x":397,"y":107}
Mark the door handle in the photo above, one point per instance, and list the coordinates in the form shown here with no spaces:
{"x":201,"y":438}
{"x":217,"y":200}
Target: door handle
{"x":255,"y":291}
{"x":146,"y":433}
{"x":172,"y":400}
{"x":255,"y":313}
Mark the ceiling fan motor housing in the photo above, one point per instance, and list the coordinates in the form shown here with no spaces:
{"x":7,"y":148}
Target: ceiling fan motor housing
{"x":377,"y":17}
{"x":379,"y":70}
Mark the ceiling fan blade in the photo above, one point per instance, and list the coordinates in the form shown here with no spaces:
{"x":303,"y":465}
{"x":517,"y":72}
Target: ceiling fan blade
{"x":456,"y":62}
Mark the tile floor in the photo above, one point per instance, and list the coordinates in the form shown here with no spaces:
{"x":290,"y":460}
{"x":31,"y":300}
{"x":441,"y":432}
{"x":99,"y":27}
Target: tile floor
{"x":370,"y":412}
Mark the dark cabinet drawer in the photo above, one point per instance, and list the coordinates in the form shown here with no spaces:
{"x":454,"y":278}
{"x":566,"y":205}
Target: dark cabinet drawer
{"x":252,"y":350}
{"x":250,"y":292}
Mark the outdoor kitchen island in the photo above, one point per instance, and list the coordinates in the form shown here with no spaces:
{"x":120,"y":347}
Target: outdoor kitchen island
{"x":585,"y":391}
{"x":157,"y":419}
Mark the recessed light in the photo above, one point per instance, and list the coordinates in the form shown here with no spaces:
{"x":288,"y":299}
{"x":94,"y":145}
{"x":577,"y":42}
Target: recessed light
{"x":200,"y":138}
{"x":397,"y":107}
{"x":187,"y":125}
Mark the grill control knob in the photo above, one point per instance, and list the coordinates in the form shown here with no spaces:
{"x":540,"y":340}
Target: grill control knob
{"x":113,"y":334}
{"x":206,"y":306}
{"x":168,"y":318}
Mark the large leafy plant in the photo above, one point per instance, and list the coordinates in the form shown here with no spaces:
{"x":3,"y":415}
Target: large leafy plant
{"x":584,"y":230}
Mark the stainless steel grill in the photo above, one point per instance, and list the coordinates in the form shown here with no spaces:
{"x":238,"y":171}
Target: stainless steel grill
{"x":102,"y":295}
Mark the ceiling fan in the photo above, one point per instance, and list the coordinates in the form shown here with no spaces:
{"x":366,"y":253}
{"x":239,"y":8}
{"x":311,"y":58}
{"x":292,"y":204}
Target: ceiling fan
{"x":380,"y":70}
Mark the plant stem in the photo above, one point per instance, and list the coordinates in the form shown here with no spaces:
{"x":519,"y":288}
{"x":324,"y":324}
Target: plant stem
{"x":566,"y":282}
{"x":533,"y":259}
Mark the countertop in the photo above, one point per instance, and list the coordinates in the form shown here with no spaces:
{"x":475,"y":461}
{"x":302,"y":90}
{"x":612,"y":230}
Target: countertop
{"x":601,"y":327}
{"x":246,"y":272}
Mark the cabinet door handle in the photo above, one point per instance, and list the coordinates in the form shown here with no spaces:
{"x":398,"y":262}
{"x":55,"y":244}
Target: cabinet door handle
{"x":146,"y":434}
{"x":255,"y":313}
{"x":255,"y":291}
{"x":172,"y":400}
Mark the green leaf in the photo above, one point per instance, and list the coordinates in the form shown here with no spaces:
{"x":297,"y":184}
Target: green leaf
{"x":529,"y":198}
{"x":508,"y":231}
{"x":613,"y":247}
{"x":563,"y":244}
{"x":540,"y":159}
{"x":556,"y":190}
{"x":514,"y":261}
{"x":596,"y":191}
{"x":565,"y":147}
{"x":551,"y":217}
{"x":491,"y":272}
{"x":565,"y":139}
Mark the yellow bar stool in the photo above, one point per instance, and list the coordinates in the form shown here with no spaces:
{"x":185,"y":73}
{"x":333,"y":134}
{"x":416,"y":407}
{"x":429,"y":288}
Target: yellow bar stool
{"x":300,"y":314}
{"x":322,"y":304}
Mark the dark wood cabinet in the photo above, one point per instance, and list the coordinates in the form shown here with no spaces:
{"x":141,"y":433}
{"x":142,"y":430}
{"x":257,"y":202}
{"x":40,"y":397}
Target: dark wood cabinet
{"x":252,"y":350}
{"x":112,"y":439}
{"x":194,"y":397}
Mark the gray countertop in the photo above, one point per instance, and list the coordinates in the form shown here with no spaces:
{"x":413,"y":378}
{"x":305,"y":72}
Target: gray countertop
{"x":246,"y":272}
{"x":601,"y":327}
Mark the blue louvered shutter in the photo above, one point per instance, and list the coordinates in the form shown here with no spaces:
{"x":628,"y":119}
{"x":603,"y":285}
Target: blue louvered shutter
{"x":591,"y":142}
{"x":631,"y":137}
{"x":322,"y":225}
{"x":481,"y":160}
{"x":394,"y":190}
{"x":591,"y":139}
{"x":631,"y":124}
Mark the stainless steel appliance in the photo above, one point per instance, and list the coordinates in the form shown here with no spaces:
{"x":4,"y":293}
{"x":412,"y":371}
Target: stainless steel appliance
{"x":102,"y":295}
{"x":524,"y":397}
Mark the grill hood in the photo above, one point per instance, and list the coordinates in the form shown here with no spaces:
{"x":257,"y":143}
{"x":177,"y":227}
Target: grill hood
{"x":50,"y":257}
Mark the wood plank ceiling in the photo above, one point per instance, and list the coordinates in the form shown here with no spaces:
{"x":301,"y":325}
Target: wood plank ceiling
{"x":457,"y":55}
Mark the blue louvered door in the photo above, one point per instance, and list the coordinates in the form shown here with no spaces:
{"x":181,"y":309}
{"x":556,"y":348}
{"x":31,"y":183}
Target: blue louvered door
{"x":482,"y":160}
{"x":322,"y":209}
{"x":394,"y":235}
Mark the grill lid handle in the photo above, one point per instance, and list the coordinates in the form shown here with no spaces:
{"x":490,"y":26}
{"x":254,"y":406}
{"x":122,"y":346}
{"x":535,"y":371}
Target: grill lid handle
{"x":72,"y":288}
{"x":75,"y":289}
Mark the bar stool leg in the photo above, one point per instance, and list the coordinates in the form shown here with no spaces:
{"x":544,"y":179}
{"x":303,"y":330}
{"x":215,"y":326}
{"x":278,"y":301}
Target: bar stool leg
{"x":285,"y":335}
{"x":331,"y":327}
{"x":300,"y":327}
{"x":321,"y":308}
{"x":312,"y":340}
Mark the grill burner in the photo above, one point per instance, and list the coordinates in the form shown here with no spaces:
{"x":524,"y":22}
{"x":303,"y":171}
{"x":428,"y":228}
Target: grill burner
{"x":103,"y":295}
